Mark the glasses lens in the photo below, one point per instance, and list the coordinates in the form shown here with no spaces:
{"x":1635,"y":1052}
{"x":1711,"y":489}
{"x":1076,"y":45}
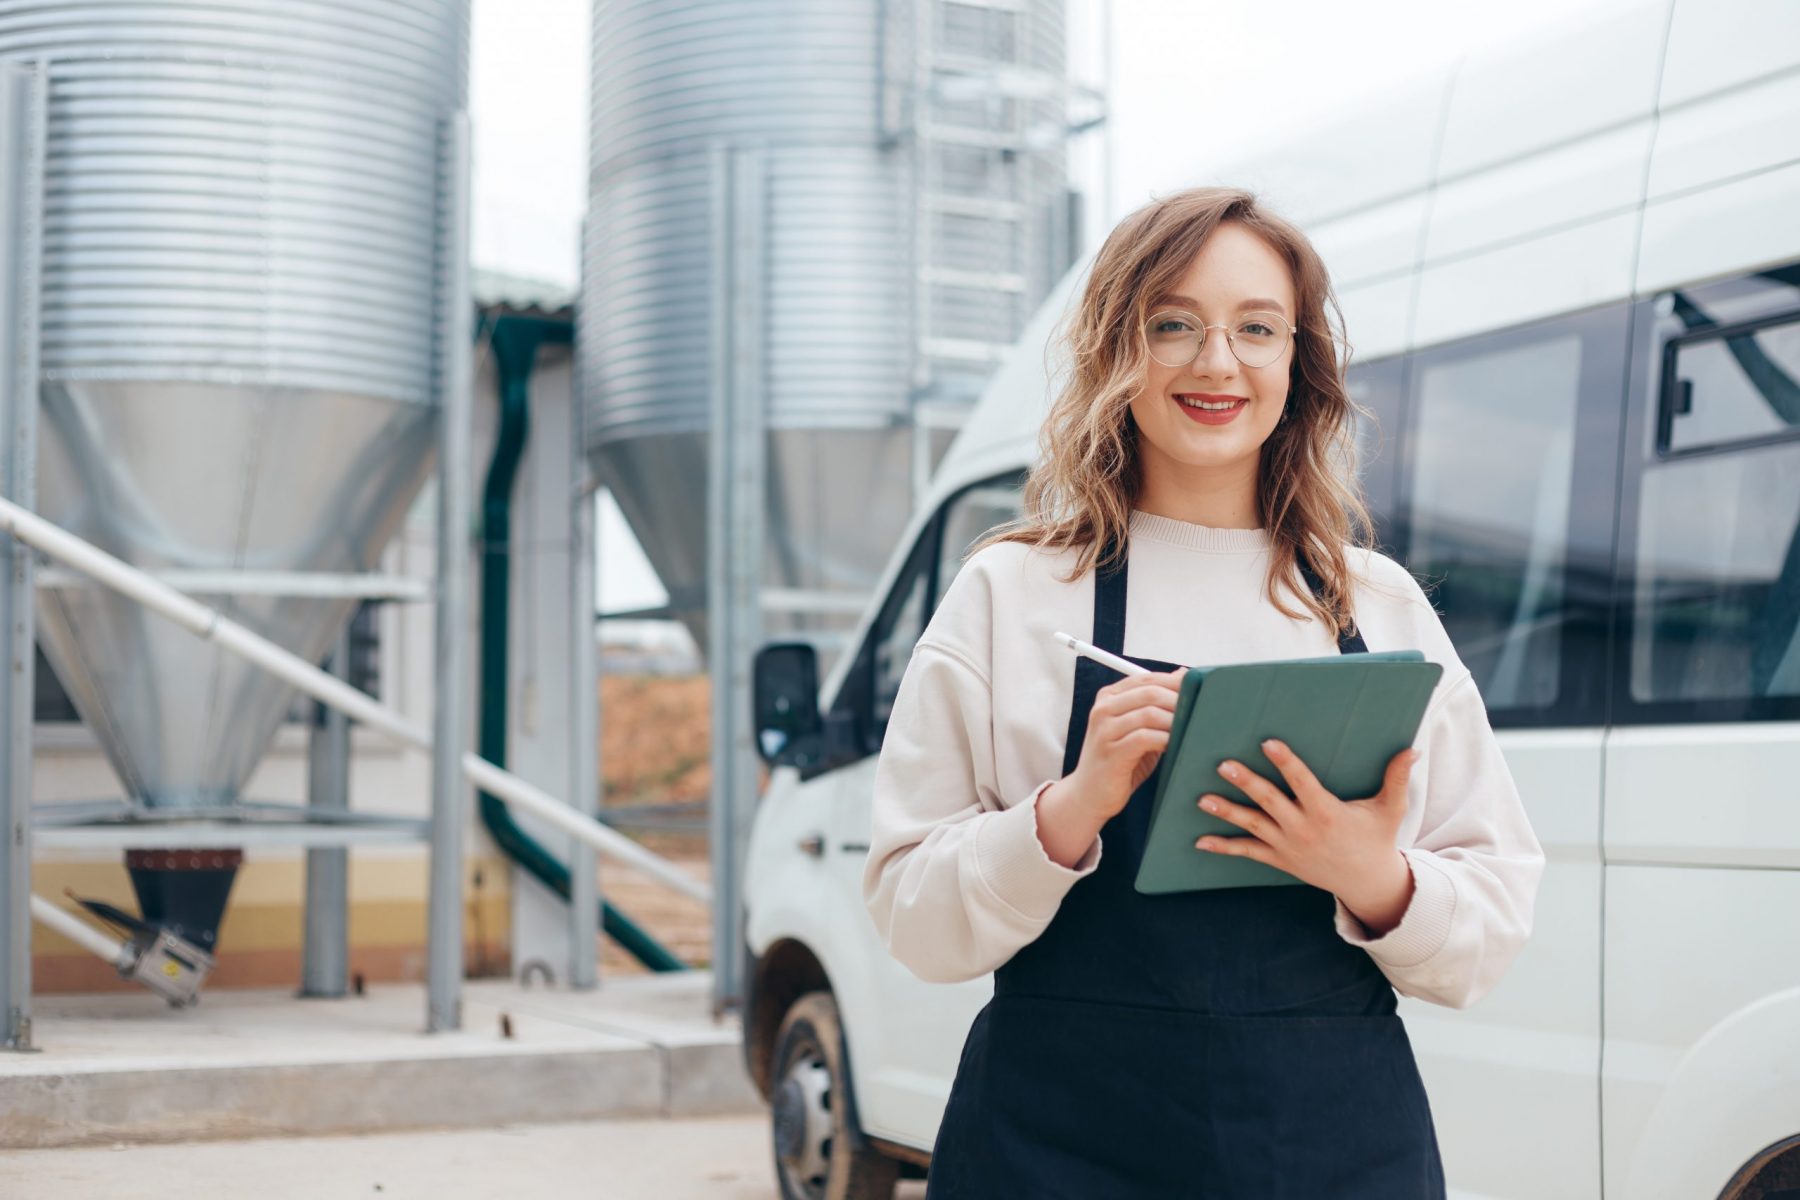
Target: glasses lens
{"x":1174,"y":338}
{"x":1259,"y":338}
{"x":1256,"y":338}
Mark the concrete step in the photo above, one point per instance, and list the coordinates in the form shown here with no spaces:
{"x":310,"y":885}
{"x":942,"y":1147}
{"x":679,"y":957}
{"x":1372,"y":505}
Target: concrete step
{"x":125,"y":1067}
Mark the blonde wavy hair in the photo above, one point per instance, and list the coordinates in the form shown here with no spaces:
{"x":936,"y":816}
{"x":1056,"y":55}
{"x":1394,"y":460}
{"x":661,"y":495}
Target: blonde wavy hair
{"x":1081,"y":492}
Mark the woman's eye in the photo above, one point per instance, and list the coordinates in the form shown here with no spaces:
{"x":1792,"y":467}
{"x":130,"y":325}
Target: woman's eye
{"x":1256,"y":327}
{"x":1171,"y":325}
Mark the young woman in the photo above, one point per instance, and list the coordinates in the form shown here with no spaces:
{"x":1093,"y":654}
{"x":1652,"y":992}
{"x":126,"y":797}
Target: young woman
{"x":1242,"y":1042}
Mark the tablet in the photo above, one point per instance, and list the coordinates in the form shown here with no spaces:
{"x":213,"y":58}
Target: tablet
{"x":1345,"y":716}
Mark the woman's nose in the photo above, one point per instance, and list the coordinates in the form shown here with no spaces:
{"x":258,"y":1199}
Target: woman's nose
{"x":1215,"y":357}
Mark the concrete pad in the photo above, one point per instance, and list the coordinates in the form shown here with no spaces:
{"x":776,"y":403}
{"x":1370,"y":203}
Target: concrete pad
{"x":124,"y":1067}
{"x":706,"y":1158}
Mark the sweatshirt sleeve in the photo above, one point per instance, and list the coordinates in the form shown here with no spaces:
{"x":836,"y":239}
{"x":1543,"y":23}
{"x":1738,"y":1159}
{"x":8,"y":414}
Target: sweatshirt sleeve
{"x":956,"y":879}
{"x":1475,"y":863}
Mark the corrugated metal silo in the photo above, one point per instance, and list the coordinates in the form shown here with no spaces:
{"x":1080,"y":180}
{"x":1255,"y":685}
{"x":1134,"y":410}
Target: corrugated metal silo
{"x":243,"y":258}
{"x":912,"y":208}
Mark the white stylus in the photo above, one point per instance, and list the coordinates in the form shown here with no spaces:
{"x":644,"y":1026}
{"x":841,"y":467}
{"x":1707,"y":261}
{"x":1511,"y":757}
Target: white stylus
{"x":1099,"y":655}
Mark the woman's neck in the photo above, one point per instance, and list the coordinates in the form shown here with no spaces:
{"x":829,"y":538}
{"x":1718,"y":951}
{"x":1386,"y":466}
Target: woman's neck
{"x":1217,"y":503}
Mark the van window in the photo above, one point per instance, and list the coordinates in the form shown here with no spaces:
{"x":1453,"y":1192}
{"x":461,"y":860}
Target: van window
{"x":899,"y":627}
{"x":1489,"y":479}
{"x":1715,"y":572}
{"x":1377,"y":387}
{"x":1509,"y":502}
{"x":970,"y":514}
{"x":933,"y":563}
{"x":1734,"y":385}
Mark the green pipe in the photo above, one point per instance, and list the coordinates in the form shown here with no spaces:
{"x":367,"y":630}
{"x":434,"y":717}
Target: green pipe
{"x":515,"y":340}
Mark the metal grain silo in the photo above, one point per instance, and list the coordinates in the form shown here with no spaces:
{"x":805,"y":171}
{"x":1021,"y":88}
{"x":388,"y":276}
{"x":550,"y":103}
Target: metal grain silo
{"x":900,"y":167}
{"x":243,"y":265}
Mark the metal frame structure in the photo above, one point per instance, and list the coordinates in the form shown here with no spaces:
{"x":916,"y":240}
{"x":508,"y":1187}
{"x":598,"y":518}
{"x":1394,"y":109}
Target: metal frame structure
{"x":325,"y":826}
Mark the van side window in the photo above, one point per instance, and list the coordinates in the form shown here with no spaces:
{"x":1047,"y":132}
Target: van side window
{"x":1714,"y":606}
{"x":892,"y":639}
{"x":1487,"y":489}
{"x":935,"y":559}
{"x":1376,"y":387}
{"x":969,"y":515}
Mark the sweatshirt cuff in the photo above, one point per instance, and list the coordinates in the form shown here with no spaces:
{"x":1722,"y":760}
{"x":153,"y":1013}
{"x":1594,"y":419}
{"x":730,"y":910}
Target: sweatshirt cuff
{"x":1013,"y":865}
{"x":1425,"y":925}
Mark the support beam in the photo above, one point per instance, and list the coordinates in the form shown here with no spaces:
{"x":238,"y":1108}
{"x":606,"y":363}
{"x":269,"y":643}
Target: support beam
{"x":583,"y":707}
{"x":325,"y":948}
{"x":23,"y":99}
{"x":450,"y":676}
{"x":736,"y":505}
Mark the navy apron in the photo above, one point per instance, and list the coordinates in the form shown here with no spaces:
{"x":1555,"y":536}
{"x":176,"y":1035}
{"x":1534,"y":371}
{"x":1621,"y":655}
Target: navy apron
{"x":1213,"y":1045}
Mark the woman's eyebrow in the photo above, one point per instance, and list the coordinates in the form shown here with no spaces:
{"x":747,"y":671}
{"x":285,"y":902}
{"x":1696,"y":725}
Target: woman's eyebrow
{"x":1255,"y":302}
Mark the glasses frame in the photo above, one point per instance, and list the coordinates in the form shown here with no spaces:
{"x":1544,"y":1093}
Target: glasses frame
{"x":1293,"y":332}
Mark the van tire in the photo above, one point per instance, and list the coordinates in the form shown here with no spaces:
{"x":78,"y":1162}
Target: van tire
{"x":819,"y":1154}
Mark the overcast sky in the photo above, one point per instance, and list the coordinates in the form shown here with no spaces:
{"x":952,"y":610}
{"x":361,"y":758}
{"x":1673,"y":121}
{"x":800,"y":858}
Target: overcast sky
{"x":1184,"y":77}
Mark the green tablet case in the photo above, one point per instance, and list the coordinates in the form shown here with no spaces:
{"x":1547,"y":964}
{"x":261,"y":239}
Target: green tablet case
{"x":1345,"y":716}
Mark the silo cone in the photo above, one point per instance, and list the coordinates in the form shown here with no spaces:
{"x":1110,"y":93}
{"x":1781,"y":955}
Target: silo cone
{"x":855,"y":224}
{"x":243,"y":273}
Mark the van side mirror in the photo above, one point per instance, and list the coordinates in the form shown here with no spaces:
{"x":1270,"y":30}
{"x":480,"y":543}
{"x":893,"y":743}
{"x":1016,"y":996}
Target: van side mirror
{"x":785,"y":698}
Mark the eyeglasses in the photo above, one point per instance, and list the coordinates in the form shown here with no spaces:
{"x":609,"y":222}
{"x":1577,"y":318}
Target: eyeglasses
{"x":1176,"y":338}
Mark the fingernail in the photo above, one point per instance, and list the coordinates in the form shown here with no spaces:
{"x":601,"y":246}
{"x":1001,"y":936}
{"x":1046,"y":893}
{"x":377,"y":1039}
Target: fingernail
{"x":1271,"y":744}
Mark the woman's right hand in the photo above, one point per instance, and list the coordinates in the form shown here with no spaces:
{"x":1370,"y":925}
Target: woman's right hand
{"x":1127,"y":732}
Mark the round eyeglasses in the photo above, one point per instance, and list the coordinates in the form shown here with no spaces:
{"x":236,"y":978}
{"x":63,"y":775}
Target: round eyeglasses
{"x":1176,"y":338}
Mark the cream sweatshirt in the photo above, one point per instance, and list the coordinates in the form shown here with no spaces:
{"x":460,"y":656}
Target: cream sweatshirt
{"x":957,"y":880}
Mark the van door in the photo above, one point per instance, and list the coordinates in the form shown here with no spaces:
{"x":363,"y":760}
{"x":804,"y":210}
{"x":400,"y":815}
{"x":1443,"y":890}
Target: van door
{"x":915,"y":1030}
{"x":1507,"y":495}
{"x":1702,"y":831}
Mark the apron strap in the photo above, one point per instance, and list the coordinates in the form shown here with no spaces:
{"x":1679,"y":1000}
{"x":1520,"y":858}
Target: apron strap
{"x":1109,"y":607}
{"x":1351,"y":640}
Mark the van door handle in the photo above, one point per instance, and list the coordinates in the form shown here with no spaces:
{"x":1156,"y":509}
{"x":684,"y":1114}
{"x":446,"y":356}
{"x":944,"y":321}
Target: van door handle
{"x":813,"y":845}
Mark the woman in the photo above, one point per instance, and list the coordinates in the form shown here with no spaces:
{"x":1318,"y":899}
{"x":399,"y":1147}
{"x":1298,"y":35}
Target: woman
{"x":1241,"y":1042}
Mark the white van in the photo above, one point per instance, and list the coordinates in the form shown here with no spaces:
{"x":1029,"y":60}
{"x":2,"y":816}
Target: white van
{"x":1571,"y":274}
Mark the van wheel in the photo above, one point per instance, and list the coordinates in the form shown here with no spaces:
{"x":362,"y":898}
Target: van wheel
{"x":814,"y":1158}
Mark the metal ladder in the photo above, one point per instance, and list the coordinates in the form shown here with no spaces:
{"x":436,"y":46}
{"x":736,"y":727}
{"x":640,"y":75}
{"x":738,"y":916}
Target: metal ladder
{"x":984,"y":259}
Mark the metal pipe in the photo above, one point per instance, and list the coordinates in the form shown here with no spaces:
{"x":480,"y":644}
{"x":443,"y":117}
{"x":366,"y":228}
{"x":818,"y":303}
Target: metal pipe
{"x":515,"y":340}
{"x":515,"y":791}
{"x":287,"y":584}
{"x":309,"y":679}
{"x":81,"y":933}
{"x":206,"y":623}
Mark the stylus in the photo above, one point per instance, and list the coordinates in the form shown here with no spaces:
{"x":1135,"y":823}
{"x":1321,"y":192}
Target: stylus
{"x":1099,"y":655}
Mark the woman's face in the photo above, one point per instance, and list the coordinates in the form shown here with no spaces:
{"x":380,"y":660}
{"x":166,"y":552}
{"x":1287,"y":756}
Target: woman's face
{"x":1234,"y":268}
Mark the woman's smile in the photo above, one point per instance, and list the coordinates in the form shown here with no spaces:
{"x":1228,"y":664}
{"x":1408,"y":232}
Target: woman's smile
{"x":1206,"y":408}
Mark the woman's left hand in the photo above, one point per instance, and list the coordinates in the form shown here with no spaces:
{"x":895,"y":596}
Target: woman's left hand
{"x":1347,"y":849}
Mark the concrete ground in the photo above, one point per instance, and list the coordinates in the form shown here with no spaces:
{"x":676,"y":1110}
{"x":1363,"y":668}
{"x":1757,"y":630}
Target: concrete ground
{"x":124,"y":1067}
{"x":701,"y":1158}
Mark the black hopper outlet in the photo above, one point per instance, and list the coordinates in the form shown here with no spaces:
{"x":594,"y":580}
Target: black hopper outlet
{"x":184,"y":891}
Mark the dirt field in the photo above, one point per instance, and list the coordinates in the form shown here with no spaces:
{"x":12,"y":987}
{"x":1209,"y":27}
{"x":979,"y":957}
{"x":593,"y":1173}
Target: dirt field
{"x":682,"y":925}
{"x":655,"y":753}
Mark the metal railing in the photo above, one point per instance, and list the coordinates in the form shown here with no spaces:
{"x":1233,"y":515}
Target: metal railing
{"x":209,"y":624}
